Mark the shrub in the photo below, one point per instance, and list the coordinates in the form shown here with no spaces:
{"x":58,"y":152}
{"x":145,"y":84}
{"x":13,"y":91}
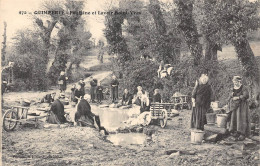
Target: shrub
{"x":29,"y":69}
{"x":77,"y":73}
{"x":140,"y":73}
{"x":184,"y":75}
{"x":30,"y":60}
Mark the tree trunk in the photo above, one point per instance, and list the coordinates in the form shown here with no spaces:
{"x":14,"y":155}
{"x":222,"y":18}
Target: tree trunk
{"x":3,"y":51}
{"x":46,"y":35}
{"x":250,"y":68}
{"x":166,"y":44}
{"x":156,"y":12}
{"x":211,"y":50}
{"x":188,"y":27}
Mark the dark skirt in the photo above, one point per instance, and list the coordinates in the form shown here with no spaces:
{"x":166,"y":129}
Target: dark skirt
{"x":93,"y":92}
{"x":85,"y":121}
{"x":90,"y":122}
{"x":114,"y":93}
{"x":56,"y":119}
{"x":198,"y":117}
{"x":63,"y":87}
{"x":240,"y":119}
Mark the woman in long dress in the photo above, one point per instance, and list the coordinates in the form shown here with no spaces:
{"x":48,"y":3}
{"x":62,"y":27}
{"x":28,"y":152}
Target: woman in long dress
{"x":85,"y":117}
{"x":201,"y":95}
{"x":62,"y":81}
{"x":114,"y":88}
{"x":93,"y":84}
{"x":238,"y":106}
{"x":57,"y":113}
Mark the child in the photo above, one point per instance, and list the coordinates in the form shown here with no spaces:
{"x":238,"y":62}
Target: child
{"x":49,"y":98}
{"x":99,"y":92}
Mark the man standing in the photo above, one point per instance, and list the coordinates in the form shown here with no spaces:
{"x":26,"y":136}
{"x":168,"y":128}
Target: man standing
{"x":99,"y":93}
{"x":93,"y":84}
{"x":114,"y":88}
{"x":62,"y":81}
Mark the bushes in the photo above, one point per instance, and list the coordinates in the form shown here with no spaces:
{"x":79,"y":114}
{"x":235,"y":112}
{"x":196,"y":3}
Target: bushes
{"x":77,"y":73}
{"x":181,"y":79}
{"x":29,"y":72}
{"x":184,"y":75}
{"x":21,"y":85}
{"x":29,"y":60}
{"x":140,"y":72}
{"x":58,"y":65}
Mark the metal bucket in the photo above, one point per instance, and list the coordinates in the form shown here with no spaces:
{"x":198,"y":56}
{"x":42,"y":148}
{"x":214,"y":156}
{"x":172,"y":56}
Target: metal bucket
{"x":211,"y":118}
{"x":222,"y":120}
{"x":197,"y":136}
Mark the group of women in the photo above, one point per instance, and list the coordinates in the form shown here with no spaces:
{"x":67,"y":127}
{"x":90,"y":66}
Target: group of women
{"x":202,"y":96}
{"x":140,"y":98}
{"x":80,"y":115}
{"x":237,"y":103}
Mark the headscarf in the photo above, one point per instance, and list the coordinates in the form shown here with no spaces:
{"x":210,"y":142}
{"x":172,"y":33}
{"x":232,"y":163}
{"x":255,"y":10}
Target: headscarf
{"x":203,"y":79}
{"x":237,"y":79}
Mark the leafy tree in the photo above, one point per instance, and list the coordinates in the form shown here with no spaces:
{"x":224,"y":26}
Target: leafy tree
{"x":29,"y":64}
{"x":71,"y":39}
{"x":186,"y":24}
{"x":167,"y":40}
{"x":115,"y":39}
{"x":51,"y":21}
{"x":140,"y":73}
{"x":207,"y":23}
{"x":237,"y":18}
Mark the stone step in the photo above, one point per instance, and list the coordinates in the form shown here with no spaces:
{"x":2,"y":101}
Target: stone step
{"x":215,"y":129}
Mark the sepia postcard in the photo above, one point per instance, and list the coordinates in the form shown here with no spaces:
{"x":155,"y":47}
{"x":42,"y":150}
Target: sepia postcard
{"x":130,"y":82}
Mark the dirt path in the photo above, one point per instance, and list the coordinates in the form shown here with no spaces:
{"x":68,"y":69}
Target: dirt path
{"x":91,"y":61}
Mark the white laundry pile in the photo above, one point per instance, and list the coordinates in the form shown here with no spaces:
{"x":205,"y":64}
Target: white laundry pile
{"x":141,"y":119}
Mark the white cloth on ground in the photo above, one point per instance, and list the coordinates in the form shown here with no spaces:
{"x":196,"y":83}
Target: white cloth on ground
{"x":143,"y":119}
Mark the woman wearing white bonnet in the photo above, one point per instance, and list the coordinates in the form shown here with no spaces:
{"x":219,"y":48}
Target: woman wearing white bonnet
{"x":238,"y":107}
{"x":201,"y":97}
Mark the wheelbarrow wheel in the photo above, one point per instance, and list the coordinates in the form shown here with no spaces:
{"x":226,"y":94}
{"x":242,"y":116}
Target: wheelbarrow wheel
{"x":163,"y":121}
{"x":10,"y":120}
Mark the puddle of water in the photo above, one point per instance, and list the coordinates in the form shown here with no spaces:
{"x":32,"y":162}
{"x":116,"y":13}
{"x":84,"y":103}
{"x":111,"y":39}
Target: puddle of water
{"x":112,"y":118}
{"x":125,"y":139}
